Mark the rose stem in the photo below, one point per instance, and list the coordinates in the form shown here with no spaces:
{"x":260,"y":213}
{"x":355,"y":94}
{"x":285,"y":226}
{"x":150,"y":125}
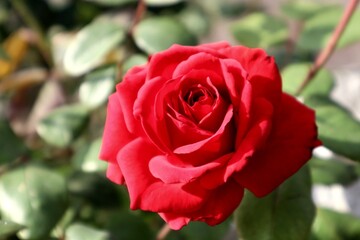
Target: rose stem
{"x":331,"y":45}
{"x":140,"y":10}
{"x":30,"y":20}
{"x":164,"y":231}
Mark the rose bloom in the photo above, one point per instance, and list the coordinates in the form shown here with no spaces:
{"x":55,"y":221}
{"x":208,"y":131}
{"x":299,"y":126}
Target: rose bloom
{"x":195,"y":126}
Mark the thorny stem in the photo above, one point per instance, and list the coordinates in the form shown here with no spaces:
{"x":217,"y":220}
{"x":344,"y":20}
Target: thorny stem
{"x":31,"y":21}
{"x":164,"y":231}
{"x":140,"y":10}
{"x":331,"y":45}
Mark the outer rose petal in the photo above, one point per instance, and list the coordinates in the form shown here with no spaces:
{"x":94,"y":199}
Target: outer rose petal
{"x":220,"y":205}
{"x":127,"y":92}
{"x":161,"y":167}
{"x":115,"y":136}
{"x":175,"y":221}
{"x":114,"y":173}
{"x":288,"y":148}
{"x":148,"y":193}
{"x":263,"y":72}
{"x":163,"y":63}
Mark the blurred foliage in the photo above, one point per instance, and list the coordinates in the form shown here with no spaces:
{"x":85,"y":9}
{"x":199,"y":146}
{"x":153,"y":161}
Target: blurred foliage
{"x":60,"y":61}
{"x":288,"y":211}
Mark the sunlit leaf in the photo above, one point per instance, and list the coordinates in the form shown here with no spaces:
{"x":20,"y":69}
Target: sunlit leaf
{"x":335,"y":226}
{"x":97,"y":87}
{"x":301,"y":9}
{"x":327,"y":172}
{"x":317,"y":29}
{"x":8,"y":228}
{"x":338,"y":130}
{"x":195,"y":19}
{"x":113,"y":2}
{"x":134,"y":60}
{"x":34,"y":197}
{"x":87,"y":158}
{"x":79,"y":231}
{"x":63,"y":125}
{"x":91,"y":45}
{"x":232,"y":8}
{"x":162,"y":3}
{"x":286,"y":213}
{"x":15,"y":48}
{"x":11,"y":146}
{"x":260,"y":30}
{"x":293,"y":75}
{"x":155,"y":34}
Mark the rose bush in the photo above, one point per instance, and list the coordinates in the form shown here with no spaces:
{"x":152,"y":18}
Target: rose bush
{"x":195,"y":126}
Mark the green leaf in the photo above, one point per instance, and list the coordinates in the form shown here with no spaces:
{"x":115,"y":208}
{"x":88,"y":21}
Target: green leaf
{"x":335,"y":226}
{"x":260,"y":30}
{"x":94,"y":188}
{"x":301,"y":10}
{"x":34,"y":197}
{"x":134,"y":60}
{"x":338,"y":130}
{"x":78,"y":231}
{"x":293,"y":75}
{"x":286,"y":213}
{"x":63,"y":125}
{"x":113,"y":2}
{"x":317,"y":30}
{"x":11,"y":146}
{"x":125,"y":225}
{"x":8,"y":228}
{"x":155,"y":34}
{"x":329,"y":172}
{"x":233,"y":9}
{"x":91,"y":44}
{"x":162,"y":3}
{"x":195,"y":19}
{"x":202,"y":231}
{"x":86,"y":159}
{"x":97,"y":87}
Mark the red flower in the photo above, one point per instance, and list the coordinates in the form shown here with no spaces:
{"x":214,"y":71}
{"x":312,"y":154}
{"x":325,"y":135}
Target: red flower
{"x":192,"y":128}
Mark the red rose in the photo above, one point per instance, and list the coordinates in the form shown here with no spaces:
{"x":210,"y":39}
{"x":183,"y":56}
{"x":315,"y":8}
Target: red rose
{"x":192,"y":128}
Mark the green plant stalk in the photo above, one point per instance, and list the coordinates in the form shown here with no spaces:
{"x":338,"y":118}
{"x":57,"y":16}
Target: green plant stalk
{"x":325,"y":54}
{"x":29,"y":19}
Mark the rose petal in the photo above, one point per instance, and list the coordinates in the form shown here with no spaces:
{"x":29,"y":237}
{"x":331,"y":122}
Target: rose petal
{"x":216,"y":45}
{"x":147,"y":192}
{"x":145,"y":109}
{"x":240,"y":91}
{"x":175,"y":221}
{"x":289,"y":147}
{"x":218,"y":144}
{"x":220,"y":205}
{"x":254,"y":139}
{"x":203,"y":61}
{"x":127,"y":92}
{"x":198,"y":145}
{"x":161,"y":167}
{"x":186,"y":131}
{"x":116,"y":134}
{"x":164,"y":63}
{"x":263,"y":72}
{"x":114,"y":173}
